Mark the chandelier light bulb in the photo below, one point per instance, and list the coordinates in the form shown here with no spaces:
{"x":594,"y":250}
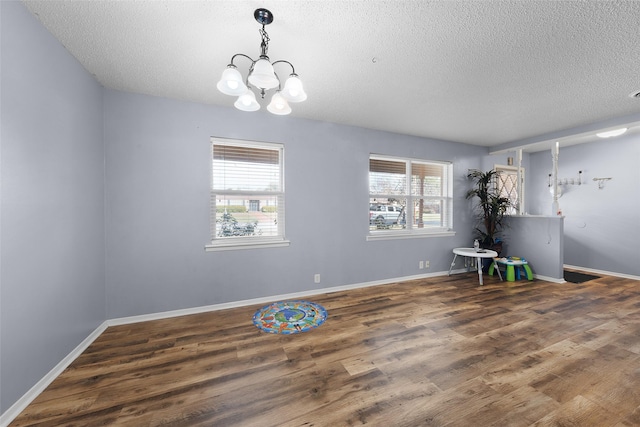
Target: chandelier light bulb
{"x":247,"y":102}
{"x":279,"y":105}
{"x":263,"y":75}
{"x":293,"y":90}
{"x":231,"y":82}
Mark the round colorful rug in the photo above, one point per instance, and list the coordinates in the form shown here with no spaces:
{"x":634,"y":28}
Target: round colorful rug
{"x":290,"y":317}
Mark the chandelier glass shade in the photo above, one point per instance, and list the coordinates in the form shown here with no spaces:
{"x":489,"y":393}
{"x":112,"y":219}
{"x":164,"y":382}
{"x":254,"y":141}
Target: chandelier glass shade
{"x":293,"y":90}
{"x":231,"y":82}
{"x":279,"y":105}
{"x":261,"y":78}
{"x":247,"y":101}
{"x":263,"y":75}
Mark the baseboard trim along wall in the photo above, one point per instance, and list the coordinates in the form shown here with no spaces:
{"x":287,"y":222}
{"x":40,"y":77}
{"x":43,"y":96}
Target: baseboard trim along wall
{"x":264,"y":300}
{"x":15,"y":409}
{"x":549,"y":279}
{"x":606,"y":273}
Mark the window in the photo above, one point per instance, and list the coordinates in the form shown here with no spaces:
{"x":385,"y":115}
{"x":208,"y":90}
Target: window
{"x":507,"y":185}
{"x":247,"y":194}
{"x":409,"y":197}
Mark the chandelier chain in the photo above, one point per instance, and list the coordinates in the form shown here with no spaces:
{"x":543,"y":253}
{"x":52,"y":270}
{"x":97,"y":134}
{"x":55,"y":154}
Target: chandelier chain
{"x":265,"y":41}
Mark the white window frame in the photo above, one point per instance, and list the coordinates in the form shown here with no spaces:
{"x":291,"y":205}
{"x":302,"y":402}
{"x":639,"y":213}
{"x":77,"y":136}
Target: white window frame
{"x":516,"y":208}
{"x":411,"y":232}
{"x":255,"y":241}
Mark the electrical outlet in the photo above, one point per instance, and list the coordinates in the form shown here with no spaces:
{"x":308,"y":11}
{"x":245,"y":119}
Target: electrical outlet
{"x":426,"y":264}
{"x":316,"y":278}
{"x":421,"y":265}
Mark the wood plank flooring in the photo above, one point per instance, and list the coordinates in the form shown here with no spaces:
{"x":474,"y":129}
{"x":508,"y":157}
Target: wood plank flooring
{"x":433,"y":352}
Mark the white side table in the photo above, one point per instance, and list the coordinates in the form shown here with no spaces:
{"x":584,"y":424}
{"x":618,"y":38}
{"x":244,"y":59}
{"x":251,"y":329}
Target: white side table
{"x":479,"y":254}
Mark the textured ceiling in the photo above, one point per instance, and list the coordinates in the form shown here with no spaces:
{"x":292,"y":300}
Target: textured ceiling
{"x":479,"y":72}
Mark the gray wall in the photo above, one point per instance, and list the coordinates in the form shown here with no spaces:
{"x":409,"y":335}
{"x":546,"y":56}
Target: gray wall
{"x":600,"y":226}
{"x":51,"y":206}
{"x":158,"y":172}
{"x":538,"y":239}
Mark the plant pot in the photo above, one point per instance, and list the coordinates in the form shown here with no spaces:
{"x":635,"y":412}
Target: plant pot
{"x":497,"y":246}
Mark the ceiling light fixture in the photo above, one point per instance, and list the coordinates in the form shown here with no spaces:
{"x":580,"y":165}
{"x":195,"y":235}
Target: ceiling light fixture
{"x":262,"y":77}
{"x":610,"y":133}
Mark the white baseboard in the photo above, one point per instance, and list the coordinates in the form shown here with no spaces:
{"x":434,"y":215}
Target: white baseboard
{"x":606,"y":273}
{"x":19,"y":406}
{"x":264,"y":300}
{"x":549,"y":279}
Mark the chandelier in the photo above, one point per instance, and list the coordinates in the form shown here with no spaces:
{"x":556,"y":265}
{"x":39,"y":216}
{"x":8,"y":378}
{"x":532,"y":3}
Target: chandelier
{"x":261,"y":77}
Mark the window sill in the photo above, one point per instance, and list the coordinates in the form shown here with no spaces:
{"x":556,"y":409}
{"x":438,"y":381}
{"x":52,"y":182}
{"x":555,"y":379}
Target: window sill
{"x":391,"y":235}
{"x":246,"y":244}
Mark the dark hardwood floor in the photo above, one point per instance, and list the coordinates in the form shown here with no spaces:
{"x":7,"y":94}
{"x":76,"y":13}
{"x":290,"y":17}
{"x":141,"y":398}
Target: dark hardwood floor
{"x":432,"y":352}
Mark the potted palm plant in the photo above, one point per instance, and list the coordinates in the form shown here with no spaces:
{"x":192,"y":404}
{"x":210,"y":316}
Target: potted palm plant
{"x":490,"y":209}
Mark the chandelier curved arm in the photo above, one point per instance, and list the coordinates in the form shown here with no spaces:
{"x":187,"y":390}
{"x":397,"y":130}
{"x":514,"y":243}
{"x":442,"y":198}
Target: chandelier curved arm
{"x":240,"y":54}
{"x":293,"y":70}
